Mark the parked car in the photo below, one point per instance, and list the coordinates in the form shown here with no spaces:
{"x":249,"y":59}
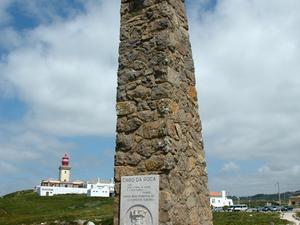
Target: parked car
{"x":237,"y":208}
{"x":252,"y":210}
{"x":266,"y":209}
{"x":286,"y":208}
{"x":259,"y":209}
{"x":274,"y":208}
{"x":218,"y":209}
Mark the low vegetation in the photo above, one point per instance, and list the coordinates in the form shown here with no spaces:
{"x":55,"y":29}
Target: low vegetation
{"x":27,"y":207}
{"x":245,"y":218}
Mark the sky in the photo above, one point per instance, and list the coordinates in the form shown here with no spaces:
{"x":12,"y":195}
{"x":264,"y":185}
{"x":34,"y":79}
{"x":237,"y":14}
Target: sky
{"x":58,"y":70}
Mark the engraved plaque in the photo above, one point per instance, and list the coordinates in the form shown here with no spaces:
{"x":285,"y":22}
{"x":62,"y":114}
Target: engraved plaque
{"x":139,"y":200}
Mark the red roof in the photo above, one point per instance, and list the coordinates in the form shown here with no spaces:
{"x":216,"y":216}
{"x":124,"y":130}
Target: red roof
{"x":215,"y":194}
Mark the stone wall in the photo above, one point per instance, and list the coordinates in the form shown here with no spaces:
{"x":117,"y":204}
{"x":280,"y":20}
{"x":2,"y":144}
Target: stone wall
{"x":158,"y":126}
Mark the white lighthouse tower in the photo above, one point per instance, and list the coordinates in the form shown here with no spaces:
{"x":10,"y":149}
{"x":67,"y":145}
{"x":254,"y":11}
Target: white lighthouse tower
{"x":65,"y":169}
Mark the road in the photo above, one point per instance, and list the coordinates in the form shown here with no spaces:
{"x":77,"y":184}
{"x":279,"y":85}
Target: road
{"x":289,"y":216}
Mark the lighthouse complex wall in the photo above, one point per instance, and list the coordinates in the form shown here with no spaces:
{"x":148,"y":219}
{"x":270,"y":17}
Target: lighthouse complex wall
{"x":50,"y":191}
{"x":91,"y":190}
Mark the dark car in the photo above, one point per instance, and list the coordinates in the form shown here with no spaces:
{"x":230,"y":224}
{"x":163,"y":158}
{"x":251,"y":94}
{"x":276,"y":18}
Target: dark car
{"x":286,"y":208}
{"x":266,"y":209}
{"x":274,"y":208}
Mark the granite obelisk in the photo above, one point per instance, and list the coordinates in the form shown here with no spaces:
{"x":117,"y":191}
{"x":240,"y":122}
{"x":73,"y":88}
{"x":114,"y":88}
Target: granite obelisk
{"x":158,"y":125}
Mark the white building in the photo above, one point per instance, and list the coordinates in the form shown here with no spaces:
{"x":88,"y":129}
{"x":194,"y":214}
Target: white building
{"x":64,"y":185}
{"x":219,"y":199}
{"x":100,"y":188}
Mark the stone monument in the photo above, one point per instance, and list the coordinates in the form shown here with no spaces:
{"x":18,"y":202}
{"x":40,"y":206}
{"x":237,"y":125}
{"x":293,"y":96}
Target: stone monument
{"x":158,"y":125}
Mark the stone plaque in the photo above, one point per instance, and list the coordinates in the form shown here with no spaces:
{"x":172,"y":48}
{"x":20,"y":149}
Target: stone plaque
{"x":139,"y":200}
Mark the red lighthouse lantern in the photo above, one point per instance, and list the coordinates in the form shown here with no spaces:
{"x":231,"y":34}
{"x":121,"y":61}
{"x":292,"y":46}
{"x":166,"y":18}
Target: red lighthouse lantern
{"x":65,"y":160}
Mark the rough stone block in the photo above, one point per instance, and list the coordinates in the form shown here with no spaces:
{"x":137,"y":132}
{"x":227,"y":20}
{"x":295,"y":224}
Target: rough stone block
{"x":159,"y":129}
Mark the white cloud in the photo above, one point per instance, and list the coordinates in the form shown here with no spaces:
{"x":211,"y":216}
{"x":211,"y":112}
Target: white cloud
{"x":246,"y":55}
{"x":230,"y":168}
{"x":66,"y":72}
{"x":4,"y":16}
{"x":264,"y":170}
{"x":261,"y":181}
{"x":7,"y":168}
{"x":19,"y":145}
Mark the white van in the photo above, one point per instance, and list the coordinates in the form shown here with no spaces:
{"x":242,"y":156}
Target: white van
{"x":237,"y":208}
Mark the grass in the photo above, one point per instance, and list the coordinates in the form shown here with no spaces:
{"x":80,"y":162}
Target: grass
{"x":27,"y":207}
{"x":244,"y":218}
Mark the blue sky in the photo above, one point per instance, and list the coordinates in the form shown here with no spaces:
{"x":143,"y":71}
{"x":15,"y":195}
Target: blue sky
{"x":58,"y":65}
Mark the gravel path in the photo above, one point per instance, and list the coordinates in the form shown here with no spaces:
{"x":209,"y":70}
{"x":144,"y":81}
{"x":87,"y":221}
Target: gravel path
{"x":289,"y":216}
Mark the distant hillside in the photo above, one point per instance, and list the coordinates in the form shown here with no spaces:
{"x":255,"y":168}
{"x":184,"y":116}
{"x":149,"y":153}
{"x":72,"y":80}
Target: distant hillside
{"x":26,"y":207}
{"x":284,"y":195}
{"x":267,"y":197}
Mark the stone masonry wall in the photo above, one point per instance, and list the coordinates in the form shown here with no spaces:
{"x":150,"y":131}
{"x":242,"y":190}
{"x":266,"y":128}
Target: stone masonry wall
{"x":158,"y":126}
